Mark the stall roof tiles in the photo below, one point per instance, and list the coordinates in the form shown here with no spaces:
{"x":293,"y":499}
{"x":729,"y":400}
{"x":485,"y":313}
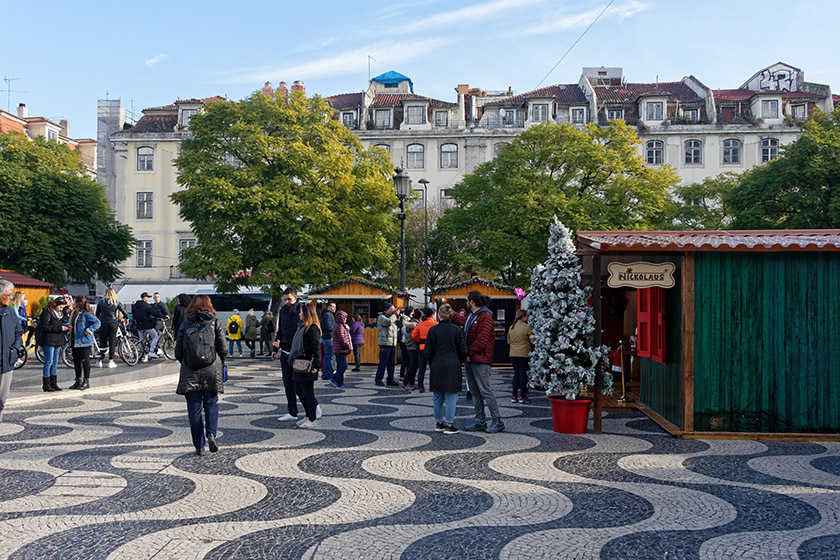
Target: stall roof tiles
{"x":22,"y":280}
{"x":740,"y":240}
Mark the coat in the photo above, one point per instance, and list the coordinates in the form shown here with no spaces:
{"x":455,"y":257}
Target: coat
{"x":84,"y":322}
{"x":109,"y":313}
{"x":446,"y":349}
{"x":387,"y":330}
{"x":178,"y":317}
{"x":207,"y":378}
{"x":519,"y":339}
{"x":10,"y":338}
{"x":250,"y":327}
{"x":357,"y":333}
{"x":238,"y":334}
{"x":145,"y":315}
{"x":481,"y":338}
{"x":341,"y":335}
{"x":289,"y":317}
{"x":421,"y":331}
{"x":327,"y":324}
{"x":410,"y":343}
{"x":51,"y":329}
{"x":267,"y":327}
{"x":311,"y":351}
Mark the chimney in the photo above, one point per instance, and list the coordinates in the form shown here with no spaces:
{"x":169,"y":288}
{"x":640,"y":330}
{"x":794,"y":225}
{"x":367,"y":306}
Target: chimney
{"x":65,"y":130}
{"x":298,"y":86}
{"x":462,"y":89}
{"x":282,"y":90}
{"x":23,"y":112}
{"x":267,"y":89}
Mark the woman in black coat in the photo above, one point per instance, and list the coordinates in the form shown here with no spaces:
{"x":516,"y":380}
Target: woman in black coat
{"x":307,"y":346}
{"x":180,"y":313}
{"x":446,"y":350}
{"x":201,"y":386}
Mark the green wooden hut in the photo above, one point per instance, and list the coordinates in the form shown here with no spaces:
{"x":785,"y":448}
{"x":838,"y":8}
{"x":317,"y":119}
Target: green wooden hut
{"x":744,"y":342}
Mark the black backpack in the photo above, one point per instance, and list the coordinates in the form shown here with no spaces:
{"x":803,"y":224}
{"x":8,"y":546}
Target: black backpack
{"x":233,"y":327}
{"x":200,"y":345}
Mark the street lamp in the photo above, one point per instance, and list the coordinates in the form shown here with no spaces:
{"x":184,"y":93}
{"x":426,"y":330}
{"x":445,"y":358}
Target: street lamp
{"x":425,"y":184}
{"x":402,"y":186}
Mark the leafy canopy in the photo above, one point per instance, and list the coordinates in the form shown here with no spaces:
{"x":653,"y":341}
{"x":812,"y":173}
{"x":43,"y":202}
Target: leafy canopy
{"x":57,"y":223}
{"x":703,"y":205}
{"x":278,"y":188}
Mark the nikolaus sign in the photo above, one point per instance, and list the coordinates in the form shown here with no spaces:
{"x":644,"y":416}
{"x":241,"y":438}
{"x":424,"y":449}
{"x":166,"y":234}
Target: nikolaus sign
{"x":641,"y":275}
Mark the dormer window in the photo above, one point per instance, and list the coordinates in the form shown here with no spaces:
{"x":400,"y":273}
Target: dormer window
{"x":441,"y":118}
{"x":415,"y":114}
{"x":613,"y":114}
{"x":578,"y":115}
{"x":654,"y":111}
{"x":539,"y":112}
{"x":382,"y":118}
{"x":770,"y":109}
{"x":186,"y":115}
{"x":348,"y":119}
{"x":692,"y":115}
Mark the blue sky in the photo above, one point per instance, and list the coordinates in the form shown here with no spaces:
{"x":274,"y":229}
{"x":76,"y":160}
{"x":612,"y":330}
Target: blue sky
{"x":69,"y":54}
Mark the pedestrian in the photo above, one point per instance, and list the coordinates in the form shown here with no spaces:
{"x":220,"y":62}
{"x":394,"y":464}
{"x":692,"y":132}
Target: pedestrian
{"x":412,"y":348}
{"x":289,"y":319}
{"x":18,"y":305}
{"x":520,"y":338}
{"x":357,"y":337}
{"x":306,"y":346}
{"x":446,"y":350}
{"x":110,"y":313}
{"x":84,"y":324}
{"x":342,"y":346}
{"x":479,"y":329}
{"x":266,"y":332}
{"x":200,"y":347}
{"x":250,"y":332}
{"x":52,"y":327}
{"x":234,"y":332}
{"x":419,"y":335}
{"x":327,"y":323}
{"x":11,"y":344}
{"x":145,"y":319}
{"x":162,"y":313}
{"x":406,"y":316}
{"x":180,"y":313}
{"x":386,"y":325}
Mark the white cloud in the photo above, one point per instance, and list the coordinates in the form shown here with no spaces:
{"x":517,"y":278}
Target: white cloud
{"x":155,"y":59}
{"x":466,"y":16}
{"x":561,"y":21}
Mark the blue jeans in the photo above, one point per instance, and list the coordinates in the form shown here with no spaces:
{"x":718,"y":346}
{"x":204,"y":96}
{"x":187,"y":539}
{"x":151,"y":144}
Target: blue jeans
{"x":51,"y":355}
{"x":439,"y":398}
{"x":520,"y":376}
{"x":196,"y":400}
{"x":327,"y":369}
{"x":340,"y":368}
{"x":238,"y":342}
{"x":386,"y":361}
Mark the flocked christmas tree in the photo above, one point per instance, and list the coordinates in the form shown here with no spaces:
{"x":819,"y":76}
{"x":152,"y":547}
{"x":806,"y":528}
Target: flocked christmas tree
{"x":564,"y":358}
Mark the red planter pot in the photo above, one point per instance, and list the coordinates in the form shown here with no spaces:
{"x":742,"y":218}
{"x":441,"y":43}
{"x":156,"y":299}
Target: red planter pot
{"x":569,"y":417}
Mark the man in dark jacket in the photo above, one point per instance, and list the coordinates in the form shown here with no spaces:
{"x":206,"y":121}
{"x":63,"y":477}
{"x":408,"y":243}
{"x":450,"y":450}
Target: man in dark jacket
{"x":327,"y":325}
{"x":481,"y":343}
{"x":10,"y":341}
{"x":289,"y":318}
{"x":145,"y":317}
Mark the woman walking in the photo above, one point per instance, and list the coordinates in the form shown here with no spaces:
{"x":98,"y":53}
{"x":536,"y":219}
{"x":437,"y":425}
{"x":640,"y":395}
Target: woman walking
{"x":180,"y":313}
{"x":521,"y":344}
{"x":446,"y":350}
{"x":250,"y":332}
{"x":51,"y":329}
{"x":306,"y":346}
{"x":342,"y":346}
{"x":357,"y":337}
{"x":200,"y":380}
{"x":84,"y":325}
{"x":267,"y":329}
{"x":110,"y":313}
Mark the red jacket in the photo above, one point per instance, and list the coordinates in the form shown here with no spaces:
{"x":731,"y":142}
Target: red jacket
{"x":481,"y":340}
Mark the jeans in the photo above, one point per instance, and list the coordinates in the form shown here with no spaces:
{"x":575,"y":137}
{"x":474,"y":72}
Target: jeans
{"x":386,"y":360}
{"x":306,"y":391}
{"x":288,"y":382}
{"x":147,"y":333}
{"x":520,"y":376}
{"x":340,"y":368}
{"x":413,"y":362}
{"x":196,"y":400}
{"x":421,"y":361}
{"x":81,"y":361}
{"x":51,"y":355}
{"x":438,"y":400}
{"x":327,"y":369}
{"x":478,"y":377}
{"x":238,"y":342}
{"x":357,"y":354}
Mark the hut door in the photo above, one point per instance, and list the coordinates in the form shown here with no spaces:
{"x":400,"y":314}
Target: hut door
{"x":650,"y":320}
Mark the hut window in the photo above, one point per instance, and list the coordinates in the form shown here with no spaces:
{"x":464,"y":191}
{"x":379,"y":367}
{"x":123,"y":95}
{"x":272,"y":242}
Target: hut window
{"x":650,"y":322}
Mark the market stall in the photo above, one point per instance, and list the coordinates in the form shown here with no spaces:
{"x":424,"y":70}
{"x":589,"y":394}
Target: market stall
{"x":33,"y":288}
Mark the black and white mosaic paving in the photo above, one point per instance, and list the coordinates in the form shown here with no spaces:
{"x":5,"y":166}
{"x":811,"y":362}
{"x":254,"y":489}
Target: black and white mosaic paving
{"x":113,"y":475}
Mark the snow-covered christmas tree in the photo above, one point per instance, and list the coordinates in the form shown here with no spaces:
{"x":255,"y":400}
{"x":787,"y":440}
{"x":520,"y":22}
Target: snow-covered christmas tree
{"x":564,"y":358}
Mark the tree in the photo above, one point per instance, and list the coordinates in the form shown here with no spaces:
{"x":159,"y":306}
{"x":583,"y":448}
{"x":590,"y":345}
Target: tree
{"x":703,"y":205}
{"x":800,"y":189}
{"x":591,"y":178}
{"x":564,"y":358}
{"x":57,"y":223}
{"x":280,"y":194}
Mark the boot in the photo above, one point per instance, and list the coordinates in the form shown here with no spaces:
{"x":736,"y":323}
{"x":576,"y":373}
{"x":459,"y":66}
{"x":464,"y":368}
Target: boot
{"x":76,"y":384}
{"x":54,"y":383}
{"x":47,"y":387}
{"x":85,"y":385}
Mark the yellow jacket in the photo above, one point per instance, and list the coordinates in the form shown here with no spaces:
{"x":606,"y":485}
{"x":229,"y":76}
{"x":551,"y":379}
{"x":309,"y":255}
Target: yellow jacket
{"x":519,"y":338}
{"x":238,"y":335}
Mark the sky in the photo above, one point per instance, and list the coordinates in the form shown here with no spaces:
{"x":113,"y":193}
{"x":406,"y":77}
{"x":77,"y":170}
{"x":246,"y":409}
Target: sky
{"x":67,"y":55}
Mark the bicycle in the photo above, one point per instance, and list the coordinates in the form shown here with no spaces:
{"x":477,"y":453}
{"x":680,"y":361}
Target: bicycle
{"x":125,"y":347}
{"x":165,"y":345}
{"x":29,"y":345}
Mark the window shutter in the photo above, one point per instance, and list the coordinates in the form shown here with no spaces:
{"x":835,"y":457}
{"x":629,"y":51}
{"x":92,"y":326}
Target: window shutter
{"x":643,"y":317}
{"x":658,"y":331}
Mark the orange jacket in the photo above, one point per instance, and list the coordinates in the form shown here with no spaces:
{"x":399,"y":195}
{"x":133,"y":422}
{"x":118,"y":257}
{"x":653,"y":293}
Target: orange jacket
{"x":421,"y":331}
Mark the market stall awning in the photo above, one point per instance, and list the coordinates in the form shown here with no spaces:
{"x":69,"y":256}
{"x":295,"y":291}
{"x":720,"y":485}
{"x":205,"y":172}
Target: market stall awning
{"x":461,"y":289}
{"x":734,"y":240}
{"x":356,"y":287}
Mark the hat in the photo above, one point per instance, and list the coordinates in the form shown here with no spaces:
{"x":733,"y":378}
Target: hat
{"x":144,"y":295}
{"x":235,"y":311}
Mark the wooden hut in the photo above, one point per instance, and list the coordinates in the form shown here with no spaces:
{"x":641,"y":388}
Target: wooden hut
{"x":503,"y":303}
{"x":736,"y":330}
{"x":368,"y":299}
{"x":33,"y":288}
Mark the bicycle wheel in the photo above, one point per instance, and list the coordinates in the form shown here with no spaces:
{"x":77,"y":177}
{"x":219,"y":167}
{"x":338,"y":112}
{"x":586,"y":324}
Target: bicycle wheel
{"x":39,"y":353}
{"x":128,"y":351}
{"x":67,"y":355}
{"x":167,"y":346}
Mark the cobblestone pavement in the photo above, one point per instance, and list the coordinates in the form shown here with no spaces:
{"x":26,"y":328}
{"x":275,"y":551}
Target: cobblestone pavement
{"x":112,"y":474}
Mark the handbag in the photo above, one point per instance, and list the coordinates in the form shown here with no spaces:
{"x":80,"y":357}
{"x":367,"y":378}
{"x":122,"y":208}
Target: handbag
{"x":301,"y":365}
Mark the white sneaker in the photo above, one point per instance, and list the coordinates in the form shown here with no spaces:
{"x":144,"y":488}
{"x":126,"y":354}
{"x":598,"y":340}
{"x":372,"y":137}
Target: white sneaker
{"x":287,"y":418}
{"x":318,"y":412}
{"x":144,"y":359}
{"x":308,"y":424}
{"x":152,"y":356}
{"x":112,"y":364}
{"x":99,"y":363}
{"x":240,"y":354}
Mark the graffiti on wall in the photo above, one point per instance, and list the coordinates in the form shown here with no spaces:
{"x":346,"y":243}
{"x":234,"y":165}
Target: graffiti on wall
{"x":779,"y":79}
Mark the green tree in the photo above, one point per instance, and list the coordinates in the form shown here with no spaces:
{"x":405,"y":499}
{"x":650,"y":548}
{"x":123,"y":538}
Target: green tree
{"x":57,"y":223}
{"x":591,"y":178}
{"x":800,"y":189}
{"x":703,"y":205}
{"x":281,"y":192}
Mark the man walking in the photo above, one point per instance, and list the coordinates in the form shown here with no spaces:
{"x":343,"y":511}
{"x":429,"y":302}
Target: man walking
{"x":10,"y":341}
{"x":481,"y":343}
{"x":386,"y":325}
{"x":327,"y":325}
{"x":145,"y":317}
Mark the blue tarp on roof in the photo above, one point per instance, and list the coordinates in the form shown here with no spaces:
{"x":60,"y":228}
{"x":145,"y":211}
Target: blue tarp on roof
{"x":393,"y":78}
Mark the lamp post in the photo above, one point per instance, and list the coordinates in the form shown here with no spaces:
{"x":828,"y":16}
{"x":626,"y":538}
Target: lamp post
{"x":402,"y":186}
{"x":425,"y":184}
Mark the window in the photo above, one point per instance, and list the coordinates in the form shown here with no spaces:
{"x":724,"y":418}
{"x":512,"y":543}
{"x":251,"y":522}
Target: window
{"x":418,"y":196}
{"x":654,"y":152}
{"x":539,"y":112}
{"x":650,"y":323}
{"x":800,"y":111}
{"x":445,"y":194}
{"x":613,"y":114}
{"x":52,"y":135}
{"x":186,"y":115}
{"x":693,"y":152}
{"x":348,"y":119}
{"x":510,"y":118}
{"x":385,"y":147}
{"x":731,"y":151}
{"x":382,"y":118}
{"x":653,"y":111}
{"x":145,"y":159}
{"x":449,"y":156}
{"x":183,"y":244}
{"x":770,"y":109}
{"x":145,"y":202}
{"x":692,"y":115}
{"x":498,"y":147}
{"x":769,"y":149}
{"x":415,"y":114}
{"x":578,"y":115}
{"x":144,"y":254}
{"x":414,"y":155}
{"x":441,"y":118}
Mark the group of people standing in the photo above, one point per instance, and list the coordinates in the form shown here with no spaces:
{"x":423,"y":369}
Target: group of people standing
{"x":250,"y":331}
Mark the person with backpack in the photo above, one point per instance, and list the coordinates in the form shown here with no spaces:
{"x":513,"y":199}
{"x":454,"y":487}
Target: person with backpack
{"x":234,"y":332}
{"x":201,"y":350}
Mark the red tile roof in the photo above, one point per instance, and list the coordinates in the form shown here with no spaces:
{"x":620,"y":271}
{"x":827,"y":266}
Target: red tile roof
{"x":155,"y":123}
{"x":161,"y":108}
{"x":396,"y":99}
{"x":565,"y":94}
{"x":631,"y":92}
{"x":803,"y":95}
{"x":732,"y":94}
{"x":345,"y":100}
{"x":22,"y":280}
{"x":740,"y":240}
